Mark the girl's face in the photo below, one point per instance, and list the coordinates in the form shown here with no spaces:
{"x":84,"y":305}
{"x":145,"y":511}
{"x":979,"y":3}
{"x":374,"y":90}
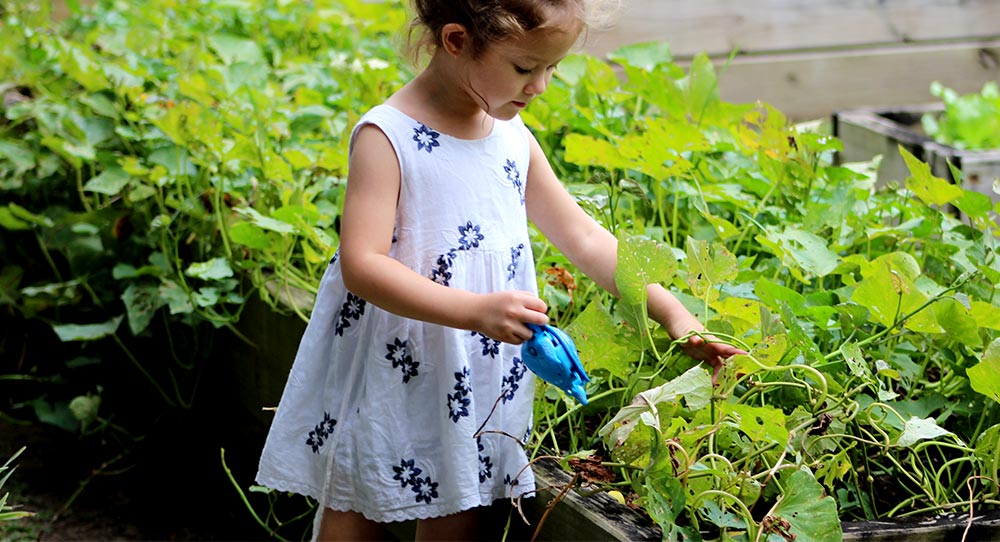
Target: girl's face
{"x":511,"y":73}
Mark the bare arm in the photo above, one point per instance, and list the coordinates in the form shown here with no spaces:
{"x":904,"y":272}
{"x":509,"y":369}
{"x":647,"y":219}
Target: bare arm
{"x":370,"y":273}
{"x":595,"y":251}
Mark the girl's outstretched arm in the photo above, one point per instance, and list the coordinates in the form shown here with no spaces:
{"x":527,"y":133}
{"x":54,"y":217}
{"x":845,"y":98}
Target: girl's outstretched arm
{"x":370,"y":273}
{"x":594,"y":250}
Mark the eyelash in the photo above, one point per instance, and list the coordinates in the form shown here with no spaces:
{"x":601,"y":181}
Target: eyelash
{"x":526,"y":71}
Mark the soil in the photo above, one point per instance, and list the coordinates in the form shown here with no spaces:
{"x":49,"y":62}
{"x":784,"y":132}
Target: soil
{"x":141,"y":496}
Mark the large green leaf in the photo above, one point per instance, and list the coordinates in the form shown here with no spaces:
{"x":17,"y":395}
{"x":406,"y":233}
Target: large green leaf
{"x":141,"y":303}
{"x":86,"y":332}
{"x":930,"y":189}
{"x":984,"y":377}
{"x":804,"y":513}
{"x":694,"y":386}
{"x":642,"y":262}
{"x":709,"y":265}
{"x":599,"y":344}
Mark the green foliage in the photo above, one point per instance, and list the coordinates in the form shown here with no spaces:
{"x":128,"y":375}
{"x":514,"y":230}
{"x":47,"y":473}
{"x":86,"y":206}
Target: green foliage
{"x":159,"y":164}
{"x":969,"y":121}
{"x":9,"y":512}
{"x":866,"y":314}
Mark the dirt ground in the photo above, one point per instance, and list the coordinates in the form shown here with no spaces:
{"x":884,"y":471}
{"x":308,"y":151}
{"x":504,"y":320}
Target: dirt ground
{"x":144,"y":496}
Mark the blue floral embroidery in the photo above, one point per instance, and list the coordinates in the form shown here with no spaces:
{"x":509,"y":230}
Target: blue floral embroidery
{"x":470,"y":236}
{"x":527,"y":436}
{"x":515,"y":255}
{"x":353,"y":309}
{"x":485,"y":465}
{"x":491,"y":347}
{"x":458,"y":406}
{"x":409,"y":475}
{"x":458,"y":402}
{"x":507,"y":481}
{"x":426,"y":138}
{"x":321,"y":432}
{"x":442,"y":274}
{"x":400,"y":357}
{"x":463,"y":385}
{"x":336,"y":255}
{"x":406,"y":473}
{"x":511,"y":382}
{"x":425,"y":489}
{"x":514,"y":176}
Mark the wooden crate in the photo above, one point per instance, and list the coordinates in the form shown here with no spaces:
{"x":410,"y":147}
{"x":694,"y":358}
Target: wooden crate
{"x":867,"y":132}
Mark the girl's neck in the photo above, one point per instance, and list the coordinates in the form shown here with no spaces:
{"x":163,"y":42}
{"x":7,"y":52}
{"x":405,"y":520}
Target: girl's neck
{"x":438,"y":98}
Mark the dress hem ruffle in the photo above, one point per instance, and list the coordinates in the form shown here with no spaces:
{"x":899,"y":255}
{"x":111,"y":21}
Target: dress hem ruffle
{"x":422,"y":511}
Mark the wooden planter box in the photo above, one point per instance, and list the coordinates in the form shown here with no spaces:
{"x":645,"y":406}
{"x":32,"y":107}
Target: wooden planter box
{"x":868,"y":132}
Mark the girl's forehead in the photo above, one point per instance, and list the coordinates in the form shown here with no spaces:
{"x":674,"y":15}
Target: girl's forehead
{"x":543,"y":43}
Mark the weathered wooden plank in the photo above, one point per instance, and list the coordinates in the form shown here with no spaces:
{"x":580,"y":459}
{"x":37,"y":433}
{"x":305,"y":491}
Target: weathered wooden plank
{"x":575,"y":517}
{"x":719,"y":26}
{"x":813,"y":85}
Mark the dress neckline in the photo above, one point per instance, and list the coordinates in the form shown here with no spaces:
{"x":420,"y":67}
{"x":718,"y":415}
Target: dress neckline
{"x":493,"y":129}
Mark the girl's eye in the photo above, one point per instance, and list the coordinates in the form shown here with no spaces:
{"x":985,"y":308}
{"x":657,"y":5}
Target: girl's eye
{"x":522,"y":71}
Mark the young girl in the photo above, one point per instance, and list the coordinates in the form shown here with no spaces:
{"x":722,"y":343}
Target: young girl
{"x":414,"y":337}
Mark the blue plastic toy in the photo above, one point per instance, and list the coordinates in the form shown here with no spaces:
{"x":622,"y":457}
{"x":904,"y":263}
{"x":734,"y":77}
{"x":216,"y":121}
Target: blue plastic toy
{"x":551,"y":355}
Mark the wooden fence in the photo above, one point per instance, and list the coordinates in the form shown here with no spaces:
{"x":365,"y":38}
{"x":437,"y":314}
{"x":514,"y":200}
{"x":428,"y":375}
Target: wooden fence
{"x":812,"y":57}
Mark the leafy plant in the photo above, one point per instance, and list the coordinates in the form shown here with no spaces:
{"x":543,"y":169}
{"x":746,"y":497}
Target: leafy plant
{"x":9,"y":512}
{"x":969,"y":121}
{"x":864,"y":321}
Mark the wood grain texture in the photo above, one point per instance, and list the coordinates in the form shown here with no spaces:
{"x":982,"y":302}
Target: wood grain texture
{"x":720,"y":26}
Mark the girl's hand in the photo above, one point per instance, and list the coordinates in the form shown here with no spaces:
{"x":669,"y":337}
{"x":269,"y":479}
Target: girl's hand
{"x":706,"y":348}
{"x":502,"y":315}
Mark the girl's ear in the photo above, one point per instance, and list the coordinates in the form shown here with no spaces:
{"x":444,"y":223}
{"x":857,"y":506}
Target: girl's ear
{"x":455,"y":39}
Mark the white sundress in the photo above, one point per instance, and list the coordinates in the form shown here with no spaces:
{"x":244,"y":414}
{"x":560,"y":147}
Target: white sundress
{"x":379,"y":413}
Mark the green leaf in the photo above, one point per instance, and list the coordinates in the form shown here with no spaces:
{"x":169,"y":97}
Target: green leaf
{"x":232,"y":48}
{"x":645,"y":56}
{"x":694,"y":386}
{"x":246,"y":233}
{"x":57,"y":414}
{"x":855,"y":359}
{"x":930,"y":189}
{"x":760,"y":423}
{"x":772,"y":294}
{"x":599,"y":344}
{"x":917,"y":429}
{"x":810,"y":513}
{"x":19,"y":154}
{"x":642,"y":262}
{"x":771,"y":350}
{"x":265,"y":222}
{"x":141,"y":304}
{"x":86,"y":332}
{"x":214,"y":269}
{"x":984,"y":377}
{"x":177,"y":298}
{"x":800,"y":250}
{"x":958,"y":322}
{"x":709,"y":265}
{"x":889,"y":292}
{"x":110,"y":182}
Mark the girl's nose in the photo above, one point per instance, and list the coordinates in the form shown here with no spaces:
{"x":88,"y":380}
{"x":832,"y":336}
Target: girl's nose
{"x":538,"y":84}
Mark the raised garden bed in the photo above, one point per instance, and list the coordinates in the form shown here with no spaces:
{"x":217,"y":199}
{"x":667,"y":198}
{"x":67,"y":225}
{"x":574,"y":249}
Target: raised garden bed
{"x":867,"y":132}
{"x":259,"y":372}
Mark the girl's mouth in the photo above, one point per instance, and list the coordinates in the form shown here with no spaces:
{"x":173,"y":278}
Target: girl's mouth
{"x":520,"y":104}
